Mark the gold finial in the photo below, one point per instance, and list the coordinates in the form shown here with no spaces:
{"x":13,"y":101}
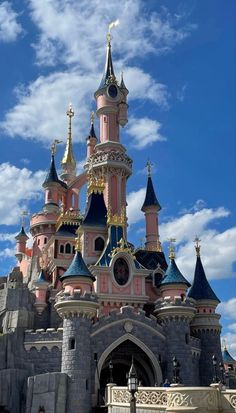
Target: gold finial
{"x":122,"y":246}
{"x":224,"y":344}
{"x":54,"y":144}
{"x":172,"y":248}
{"x":77,"y":241}
{"x":149,"y":167}
{"x":23,"y":215}
{"x":197,"y":245}
{"x":92,"y":116}
{"x":68,"y":158}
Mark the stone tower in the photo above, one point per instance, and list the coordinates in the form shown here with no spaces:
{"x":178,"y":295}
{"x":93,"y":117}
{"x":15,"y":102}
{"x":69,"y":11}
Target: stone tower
{"x":205,"y":325}
{"x":174,"y":312}
{"x":77,"y":305}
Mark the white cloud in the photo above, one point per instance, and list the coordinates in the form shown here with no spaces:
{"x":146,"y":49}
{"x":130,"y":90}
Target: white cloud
{"x":18,"y":187}
{"x":9,"y":27}
{"x":181,"y":93}
{"x":228,"y":309}
{"x":74,"y":32}
{"x":135,"y":201}
{"x":144,"y":132}
{"x":230,"y":340}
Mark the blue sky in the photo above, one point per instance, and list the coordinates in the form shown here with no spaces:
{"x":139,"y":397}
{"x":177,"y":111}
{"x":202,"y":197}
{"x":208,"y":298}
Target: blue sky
{"x":179,"y":64}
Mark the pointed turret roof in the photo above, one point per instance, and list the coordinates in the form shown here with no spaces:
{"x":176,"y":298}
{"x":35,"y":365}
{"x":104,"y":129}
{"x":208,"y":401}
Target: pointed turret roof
{"x":201,"y":289}
{"x":52,"y":176}
{"x":109,"y":74}
{"x":41,"y":278}
{"x":150,"y":198}
{"x":96,"y":212}
{"x":92,"y":133}
{"x":173,"y":275}
{"x":68,"y":160}
{"x":22,"y":234}
{"x":227,"y":358}
{"x":77,"y":268}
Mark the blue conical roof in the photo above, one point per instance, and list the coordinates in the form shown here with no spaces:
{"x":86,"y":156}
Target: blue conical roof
{"x":227,"y":358}
{"x":96,"y":212}
{"x":109,"y":71}
{"x":150,"y":198}
{"x":41,"y":277}
{"x":22,"y":234}
{"x":92,"y":133}
{"x":77,"y":268}
{"x":52,"y":175}
{"x":173,"y":275}
{"x":201,"y":289}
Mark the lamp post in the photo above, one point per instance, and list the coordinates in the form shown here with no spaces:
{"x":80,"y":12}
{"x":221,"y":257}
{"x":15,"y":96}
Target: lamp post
{"x":111,"y":370}
{"x":214,"y":362}
{"x":222,"y":372}
{"x":176,"y":367}
{"x":132,"y":386}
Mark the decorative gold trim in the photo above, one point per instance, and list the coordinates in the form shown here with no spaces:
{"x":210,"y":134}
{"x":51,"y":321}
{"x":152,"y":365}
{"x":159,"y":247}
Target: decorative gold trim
{"x":95,"y":184}
{"x":116,"y":219}
{"x":172,"y":248}
{"x":70,"y":217}
{"x":123,"y":247}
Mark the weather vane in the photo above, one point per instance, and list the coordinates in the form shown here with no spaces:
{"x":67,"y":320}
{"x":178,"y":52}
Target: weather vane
{"x":92,"y":117}
{"x":197,"y":245}
{"x":54,"y":144}
{"x":171,"y":248}
{"x":149,"y":167}
{"x":110,"y":26}
{"x":23,"y":215}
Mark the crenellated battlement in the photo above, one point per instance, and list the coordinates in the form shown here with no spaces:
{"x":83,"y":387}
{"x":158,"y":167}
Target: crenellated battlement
{"x":41,"y":338}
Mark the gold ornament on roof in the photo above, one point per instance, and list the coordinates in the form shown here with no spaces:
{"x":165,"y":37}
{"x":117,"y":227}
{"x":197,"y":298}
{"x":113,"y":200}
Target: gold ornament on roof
{"x":92,"y":116}
{"x":171,"y":248}
{"x":23,"y":215}
{"x":96,"y":184}
{"x":68,"y":158}
{"x":69,"y":217}
{"x":119,"y":220}
{"x":122,"y":247}
{"x":197,"y":245}
{"x":149,"y":167}
{"x":54,"y":146}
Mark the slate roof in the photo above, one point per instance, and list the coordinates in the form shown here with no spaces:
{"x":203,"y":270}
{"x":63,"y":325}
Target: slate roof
{"x":66,"y":230}
{"x":41,"y":278}
{"x":52,"y":175}
{"x":151,"y":259}
{"x":173,"y":275}
{"x":201,"y":289}
{"x":22,"y":234}
{"x":150,"y":198}
{"x":227,"y":358}
{"x":109,"y":71}
{"x":96,"y":211}
{"x":77,"y":268}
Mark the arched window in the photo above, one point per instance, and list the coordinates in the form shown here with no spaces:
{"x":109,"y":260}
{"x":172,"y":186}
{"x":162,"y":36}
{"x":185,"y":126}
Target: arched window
{"x":38,"y":242}
{"x":68,"y":248}
{"x":99,"y":244}
{"x":71,"y":343}
{"x":45,"y":240}
{"x":61,"y":249}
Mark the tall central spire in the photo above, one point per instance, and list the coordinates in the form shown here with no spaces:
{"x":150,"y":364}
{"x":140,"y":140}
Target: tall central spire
{"x":68,"y":161}
{"x":109,"y":74}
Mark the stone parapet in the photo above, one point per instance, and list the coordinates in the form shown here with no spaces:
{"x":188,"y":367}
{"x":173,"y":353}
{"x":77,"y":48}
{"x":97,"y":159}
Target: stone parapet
{"x":172,"y":400}
{"x":43,"y":338}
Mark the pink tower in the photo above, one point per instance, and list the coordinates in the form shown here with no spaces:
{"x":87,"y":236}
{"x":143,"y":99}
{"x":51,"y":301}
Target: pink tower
{"x":108,"y":158}
{"x":151,"y":207}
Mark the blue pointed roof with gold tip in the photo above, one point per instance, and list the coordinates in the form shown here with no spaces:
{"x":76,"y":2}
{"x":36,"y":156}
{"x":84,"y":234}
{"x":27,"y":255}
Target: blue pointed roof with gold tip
{"x":52,"y":176}
{"x":77,"y":268}
{"x":227,"y":358}
{"x":201,"y":289}
{"x":173,"y":275}
{"x":22,"y":234}
{"x":109,"y":73}
{"x":150,"y":198}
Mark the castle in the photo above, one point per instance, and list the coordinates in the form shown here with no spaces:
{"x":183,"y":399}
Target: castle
{"x":82,"y":301}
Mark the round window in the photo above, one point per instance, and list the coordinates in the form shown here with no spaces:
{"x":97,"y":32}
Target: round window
{"x":112,"y":91}
{"x":121,"y":271}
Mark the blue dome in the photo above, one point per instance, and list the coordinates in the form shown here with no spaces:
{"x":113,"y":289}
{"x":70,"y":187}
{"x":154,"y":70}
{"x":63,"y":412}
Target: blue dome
{"x":77,"y":268}
{"x":173,"y":275}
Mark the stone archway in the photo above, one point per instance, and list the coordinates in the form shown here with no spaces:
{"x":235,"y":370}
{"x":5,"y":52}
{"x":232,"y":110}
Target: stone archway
{"x":121,"y":352}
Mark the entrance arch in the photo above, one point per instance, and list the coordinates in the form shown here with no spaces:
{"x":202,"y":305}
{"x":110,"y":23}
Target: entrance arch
{"x":121,"y":352}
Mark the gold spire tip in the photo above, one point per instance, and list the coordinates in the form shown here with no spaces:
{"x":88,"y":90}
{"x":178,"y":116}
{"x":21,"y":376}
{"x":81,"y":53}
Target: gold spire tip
{"x":53,"y":146}
{"x":77,"y":242}
{"x":197,"y":245}
{"x":172,"y":248}
{"x":23,"y":215}
{"x":70,"y":112}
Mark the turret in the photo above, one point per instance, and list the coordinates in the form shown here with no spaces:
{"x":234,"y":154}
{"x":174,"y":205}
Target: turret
{"x":53,"y":185}
{"x":174,"y":312}
{"x":92,"y":138}
{"x":68,"y":161}
{"x":77,"y":305}
{"x":21,"y":240}
{"x":41,"y":287}
{"x":151,"y":208}
{"x":205,"y":324}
